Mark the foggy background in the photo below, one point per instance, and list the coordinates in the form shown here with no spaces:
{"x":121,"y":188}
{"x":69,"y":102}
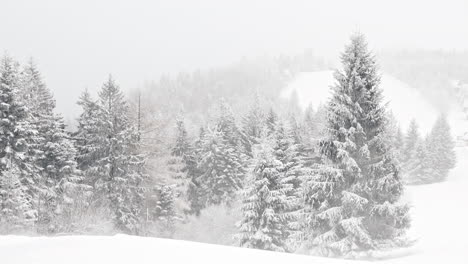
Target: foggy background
{"x":78,"y":43}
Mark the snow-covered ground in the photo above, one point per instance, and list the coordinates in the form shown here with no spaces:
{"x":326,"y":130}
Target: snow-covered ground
{"x":440,"y":217}
{"x":122,"y":249}
{"x":438,"y":211}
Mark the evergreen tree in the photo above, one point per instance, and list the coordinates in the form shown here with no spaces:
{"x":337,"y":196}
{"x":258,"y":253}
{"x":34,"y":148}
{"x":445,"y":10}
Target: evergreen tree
{"x":226,"y":123}
{"x":16,"y":213}
{"x":12,"y":144}
{"x":440,"y":148}
{"x":182,"y":145}
{"x":271,"y":122}
{"x":309,"y":125}
{"x":110,"y":155}
{"x":419,"y":167}
{"x":14,"y":133}
{"x":222,"y":168}
{"x":411,"y":140}
{"x":180,"y":153}
{"x":165,"y":211}
{"x":123,"y":166}
{"x":292,"y":156}
{"x":266,"y":204}
{"x":320,"y":122}
{"x":195,"y":194}
{"x":88,"y":138}
{"x":253,"y":122}
{"x":360,"y":210}
{"x":179,"y":166}
{"x":54,"y":151}
{"x":295,"y":129}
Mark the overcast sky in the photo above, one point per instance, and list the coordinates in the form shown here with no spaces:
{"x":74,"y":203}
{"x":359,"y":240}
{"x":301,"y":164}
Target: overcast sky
{"x":78,"y":43}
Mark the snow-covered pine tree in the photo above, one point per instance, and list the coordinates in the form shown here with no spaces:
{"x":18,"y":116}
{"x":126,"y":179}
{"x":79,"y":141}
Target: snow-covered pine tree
{"x":12,"y":113}
{"x":295,"y":129}
{"x":292,"y":155}
{"x":14,"y":133}
{"x":313,"y":126}
{"x":418,"y":169}
{"x":182,"y":145}
{"x":271,"y":122}
{"x":253,"y":122}
{"x":179,"y":157}
{"x":121,"y":165}
{"x":55,"y":152}
{"x":362,"y":211}
{"x":440,"y":148}
{"x":195,"y":193}
{"x":414,"y":157}
{"x":412,"y":138}
{"x":226,"y":123}
{"x":320,"y":123}
{"x":266,"y":204}
{"x":16,"y":212}
{"x":89,"y":140}
{"x":221,"y":166}
{"x":179,"y":166}
{"x":165,"y":212}
{"x":308,"y":125}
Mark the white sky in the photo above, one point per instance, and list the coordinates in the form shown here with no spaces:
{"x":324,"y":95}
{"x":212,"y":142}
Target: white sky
{"x":78,"y":43}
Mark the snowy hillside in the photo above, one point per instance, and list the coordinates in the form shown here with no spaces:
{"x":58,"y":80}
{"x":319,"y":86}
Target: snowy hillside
{"x":122,"y":249}
{"x":405,"y":102}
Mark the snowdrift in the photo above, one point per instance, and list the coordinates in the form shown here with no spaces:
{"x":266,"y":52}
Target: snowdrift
{"x":122,"y":249}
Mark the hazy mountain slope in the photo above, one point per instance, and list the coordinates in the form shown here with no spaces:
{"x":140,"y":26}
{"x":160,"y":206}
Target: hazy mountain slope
{"x":405,"y":102}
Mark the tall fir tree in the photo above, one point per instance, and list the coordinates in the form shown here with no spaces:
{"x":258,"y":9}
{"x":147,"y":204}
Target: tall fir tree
{"x":14,"y":136}
{"x":418,"y":169}
{"x":54,"y":154}
{"x":222,"y":168}
{"x":411,"y":140}
{"x":109,"y":153}
{"x":360,"y":209}
{"x":16,"y":210}
{"x":165,"y":212}
{"x":195,"y":194}
{"x":182,"y":146}
{"x":180,"y":157}
{"x":88,"y":138}
{"x":267,"y":204}
{"x":253,"y":122}
{"x":271,"y":122}
{"x":292,"y":155}
{"x":227,"y":124}
{"x":122,"y":163}
{"x":441,"y":149}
